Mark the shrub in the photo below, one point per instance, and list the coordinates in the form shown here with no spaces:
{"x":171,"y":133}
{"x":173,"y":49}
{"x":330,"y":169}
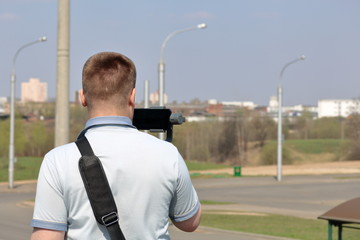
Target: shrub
{"x":268,"y":154}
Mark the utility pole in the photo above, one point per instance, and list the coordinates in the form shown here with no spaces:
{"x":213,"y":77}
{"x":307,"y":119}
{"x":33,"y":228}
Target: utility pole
{"x":146,"y":94}
{"x":62,"y":74}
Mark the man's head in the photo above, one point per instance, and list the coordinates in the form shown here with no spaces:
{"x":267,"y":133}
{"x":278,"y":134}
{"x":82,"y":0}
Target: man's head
{"x":108,"y":81}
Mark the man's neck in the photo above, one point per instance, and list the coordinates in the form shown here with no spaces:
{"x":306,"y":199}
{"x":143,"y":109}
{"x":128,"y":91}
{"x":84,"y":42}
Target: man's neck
{"x":108,"y":112}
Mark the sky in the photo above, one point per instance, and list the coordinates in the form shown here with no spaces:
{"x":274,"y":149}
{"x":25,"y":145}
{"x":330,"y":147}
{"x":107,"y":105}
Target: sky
{"x":238,"y":57}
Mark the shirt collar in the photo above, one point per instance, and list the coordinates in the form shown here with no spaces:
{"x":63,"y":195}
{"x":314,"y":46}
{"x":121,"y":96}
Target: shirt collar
{"x":110,"y":120}
{"x":106,"y":121}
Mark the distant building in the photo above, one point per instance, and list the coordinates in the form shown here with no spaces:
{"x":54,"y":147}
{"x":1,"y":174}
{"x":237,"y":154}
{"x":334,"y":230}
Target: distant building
{"x":247,"y":104}
{"x":3,"y":105}
{"x":34,"y":91}
{"x":338,"y":107}
{"x":289,"y":111}
{"x":228,"y":108}
{"x":216,"y":109}
{"x":77,"y":97}
{"x":154,"y":98}
{"x":273,"y":104}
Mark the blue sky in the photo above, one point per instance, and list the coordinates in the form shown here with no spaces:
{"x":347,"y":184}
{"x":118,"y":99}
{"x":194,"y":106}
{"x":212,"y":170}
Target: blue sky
{"x":237,"y":58}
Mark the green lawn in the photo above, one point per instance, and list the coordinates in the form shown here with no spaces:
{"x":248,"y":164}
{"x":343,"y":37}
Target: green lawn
{"x":25,"y":168}
{"x":28,"y":168}
{"x":315,"y":146}
{"x":209,"y":175}
{"x":196,"y":166}
{"x":276,"y":225}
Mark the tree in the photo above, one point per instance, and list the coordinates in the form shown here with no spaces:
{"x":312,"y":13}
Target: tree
{"x":302,"y":125}
{"x":197,"y":141}
{"x":195,"y":101}
{"x":228,"y":140}
{"x":262,"y":127}
{"x":242,"y":129}
{"x":234,"y":139}
{"x":39,"y":139}
{"x":4,"y":140}
{"x":328,"y":127}
{"x":78,"y":118}
{"x":45,"y":110}
{"x":353,"y":125}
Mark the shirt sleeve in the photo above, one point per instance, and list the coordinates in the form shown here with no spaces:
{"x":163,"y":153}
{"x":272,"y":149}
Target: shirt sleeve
{"x":49,"y":211}
{"x":185,"y":203}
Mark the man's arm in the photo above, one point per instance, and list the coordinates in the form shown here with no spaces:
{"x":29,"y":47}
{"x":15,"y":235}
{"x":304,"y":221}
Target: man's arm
{"x":46,"y":234}
{"x":185,"y":207}
{"x":50,"y":214}
{"x":191,"y":224}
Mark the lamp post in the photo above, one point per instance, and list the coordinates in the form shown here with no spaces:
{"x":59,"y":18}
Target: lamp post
{"x":280,"y":137}
{"x":162,"y":64}
{"x":12,"y":111}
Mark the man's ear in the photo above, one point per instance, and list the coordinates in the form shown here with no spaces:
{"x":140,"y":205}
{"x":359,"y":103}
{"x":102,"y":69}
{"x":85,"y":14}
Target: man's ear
{"x":82,"y":98}
{"x":132,"y":98}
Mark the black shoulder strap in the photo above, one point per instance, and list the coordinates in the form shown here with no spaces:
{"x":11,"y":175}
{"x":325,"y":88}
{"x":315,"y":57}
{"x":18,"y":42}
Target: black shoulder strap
{"x":98,"y":190}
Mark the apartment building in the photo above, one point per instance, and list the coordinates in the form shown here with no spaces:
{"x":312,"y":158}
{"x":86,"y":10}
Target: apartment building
{"x":34,"y":91}
{"x":338,"y":107}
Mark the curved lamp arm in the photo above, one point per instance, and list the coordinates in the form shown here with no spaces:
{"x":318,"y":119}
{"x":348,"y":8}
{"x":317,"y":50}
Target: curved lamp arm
{"x":42,"y":39}
{"x":199,"y":26}
{"x":302,"y":57}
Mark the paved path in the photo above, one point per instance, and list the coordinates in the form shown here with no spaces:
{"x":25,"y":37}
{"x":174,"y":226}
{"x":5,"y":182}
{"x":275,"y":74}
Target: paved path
{"x":303,"y":196}
{"x":15,"y":215}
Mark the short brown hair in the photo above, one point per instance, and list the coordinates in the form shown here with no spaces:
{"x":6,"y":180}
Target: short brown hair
{"x":108,"y":75}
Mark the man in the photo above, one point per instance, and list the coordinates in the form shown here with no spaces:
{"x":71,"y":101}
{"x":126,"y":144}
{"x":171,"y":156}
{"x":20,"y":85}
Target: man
{"x":147,"y":176}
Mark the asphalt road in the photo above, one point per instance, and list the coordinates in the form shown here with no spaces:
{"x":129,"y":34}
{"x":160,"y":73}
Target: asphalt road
{"x":15,"y":217}
{"x":303,"y":196}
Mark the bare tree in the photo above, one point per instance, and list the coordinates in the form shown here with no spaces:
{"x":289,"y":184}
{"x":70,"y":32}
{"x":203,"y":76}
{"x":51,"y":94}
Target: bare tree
{"x":262,"y":128}
{"x":353,"y":131}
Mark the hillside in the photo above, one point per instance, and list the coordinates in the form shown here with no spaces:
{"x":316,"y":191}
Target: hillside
{"x":298,"y":152}
{"x":345,"y":167}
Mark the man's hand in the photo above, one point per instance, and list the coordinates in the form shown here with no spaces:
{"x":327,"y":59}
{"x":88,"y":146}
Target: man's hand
{"x":46,"y":234}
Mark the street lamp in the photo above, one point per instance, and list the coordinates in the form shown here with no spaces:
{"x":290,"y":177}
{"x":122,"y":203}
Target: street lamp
{"x":12,"y":111}
{"x":162,"y":64}
{"x":280,"y":137}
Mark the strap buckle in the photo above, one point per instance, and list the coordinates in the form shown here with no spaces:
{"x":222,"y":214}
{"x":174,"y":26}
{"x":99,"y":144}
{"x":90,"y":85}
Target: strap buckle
{"x":110,"y":219}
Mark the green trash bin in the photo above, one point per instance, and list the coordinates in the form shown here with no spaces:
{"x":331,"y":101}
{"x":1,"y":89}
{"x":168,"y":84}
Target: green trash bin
{"x":237,"y":171}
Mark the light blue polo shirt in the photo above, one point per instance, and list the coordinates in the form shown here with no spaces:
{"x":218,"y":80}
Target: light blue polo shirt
{"x":148,"y":178}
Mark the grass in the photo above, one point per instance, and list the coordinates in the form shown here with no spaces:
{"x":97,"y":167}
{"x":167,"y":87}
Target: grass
{"x":210,"y":175}
{"x":208,"y":202}
{"x":275,"y":225}
{"x":270,"y":224}
{"x":315,"y":146}
{"x":197,"y":166}
{"x":26,"y":168}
